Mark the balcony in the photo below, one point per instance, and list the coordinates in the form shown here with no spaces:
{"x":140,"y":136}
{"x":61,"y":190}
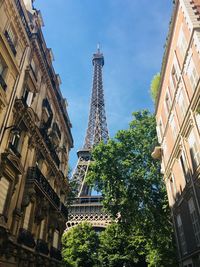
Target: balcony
{"x":50,"y":146}
{"x":23,"y":18}
{"x":42,"y":247}
{"x":35,"y":175}
{"x":14,"y":150}
{"x":2,"y":83}
{"x":55,"y":253}
{"x":10,"y":42}
{"x":26,"y":238}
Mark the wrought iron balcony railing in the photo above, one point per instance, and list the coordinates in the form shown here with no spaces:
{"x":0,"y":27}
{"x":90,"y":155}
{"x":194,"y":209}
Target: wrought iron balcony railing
{"x":15,"y":150}
{"x":25,"y":237}
{"x":50,"y":146}
{"x":2,"y":83}
{"x":23,"y":18}
{"x":36,"y":175}
{"x":42,"y":247}
{"x":10,"y":42}
{"x":55,"y":253}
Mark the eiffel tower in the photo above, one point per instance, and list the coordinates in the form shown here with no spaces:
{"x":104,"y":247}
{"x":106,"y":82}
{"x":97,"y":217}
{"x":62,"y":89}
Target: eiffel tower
{"x":88,"y":207}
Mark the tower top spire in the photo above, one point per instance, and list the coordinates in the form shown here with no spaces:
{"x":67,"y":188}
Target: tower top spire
{"x":98,"y":48}
{"x":98,"y":56}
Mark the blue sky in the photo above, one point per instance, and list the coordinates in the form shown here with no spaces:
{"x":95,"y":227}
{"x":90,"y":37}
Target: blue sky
{"x":132,"y":35}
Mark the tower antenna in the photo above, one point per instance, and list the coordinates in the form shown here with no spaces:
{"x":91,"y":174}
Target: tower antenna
{"x":98,"y":48}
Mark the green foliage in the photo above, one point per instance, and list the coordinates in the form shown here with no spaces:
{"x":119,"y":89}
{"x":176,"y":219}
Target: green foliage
{"x":80,"y":244}
{"x":118,"y":248}
{"x":132,"y":186}
{"x":155,"y":86}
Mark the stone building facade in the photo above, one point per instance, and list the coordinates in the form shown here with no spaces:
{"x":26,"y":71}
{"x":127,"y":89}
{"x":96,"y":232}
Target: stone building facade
{"x":178,"y":127}
{"x":35,"y":139}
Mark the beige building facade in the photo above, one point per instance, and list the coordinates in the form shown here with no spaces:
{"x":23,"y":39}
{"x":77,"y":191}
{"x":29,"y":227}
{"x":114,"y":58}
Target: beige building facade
{"x":35,"y":140}
{"x":178,"y":127}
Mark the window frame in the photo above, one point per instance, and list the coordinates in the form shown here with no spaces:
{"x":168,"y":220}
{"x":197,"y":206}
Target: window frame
{"x":195,"y":220}
{"x":181,"y":234}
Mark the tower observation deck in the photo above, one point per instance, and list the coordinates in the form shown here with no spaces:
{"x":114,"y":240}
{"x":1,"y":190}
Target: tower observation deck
{"x":88,"y":207}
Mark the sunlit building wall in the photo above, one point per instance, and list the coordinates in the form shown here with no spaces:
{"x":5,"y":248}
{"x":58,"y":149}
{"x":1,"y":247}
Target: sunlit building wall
{"x":178,"y":127}
{"x":35,"y":139}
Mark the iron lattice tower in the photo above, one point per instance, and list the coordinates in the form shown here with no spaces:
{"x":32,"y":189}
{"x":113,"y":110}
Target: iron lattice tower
{"x":87,"y":207}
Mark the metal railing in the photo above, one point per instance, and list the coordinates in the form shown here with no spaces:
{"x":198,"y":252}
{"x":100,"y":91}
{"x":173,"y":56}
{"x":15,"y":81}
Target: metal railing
{"x":88,"y":200}
{"x":23,"y":18}
{"x":50,"y":146}
{"x":36,"y":175}
{"x":10,"y":42}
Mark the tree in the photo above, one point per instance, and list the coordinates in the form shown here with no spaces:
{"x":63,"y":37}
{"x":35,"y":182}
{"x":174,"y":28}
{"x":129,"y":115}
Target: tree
{"x":132,"y":186}
{"x":116,"y":250}
{"x":155,"y":86}
{"x":80,"y":245}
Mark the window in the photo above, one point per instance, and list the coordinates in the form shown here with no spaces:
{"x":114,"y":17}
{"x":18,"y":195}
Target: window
{"x":184,"y":167}
{"x":34,"y":69}
{"x":12,"y":35}
{"x":195,"y":220}
{"x":12,"y":39}
{"x":167,"y":103}
{"x":4,"y":186}
{"x":27,"y":97}
{"x":55,"y":238}
{"x":27,"y":216}
{"x":192,"y":74}
{"x":181,"y":234}
{"x":182,"y":104}
{"x":3,"y":70}
{"x":16,"y":142}
{"x":174,"y":75}
{"x":41,"y":235}
{"x":182,"y":43}
{"x":194,"y":149}
{"x":3,"y":67}
{"x":171,"y":83}
{"x":173,"y":126}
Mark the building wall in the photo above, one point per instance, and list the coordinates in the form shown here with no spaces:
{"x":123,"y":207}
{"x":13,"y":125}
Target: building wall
{"x":178,"y":127}
{"x":35,"y":139}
